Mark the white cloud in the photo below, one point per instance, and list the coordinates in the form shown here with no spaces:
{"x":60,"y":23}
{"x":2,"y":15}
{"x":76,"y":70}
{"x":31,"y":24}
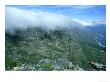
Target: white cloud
{"x":89,"y":22}
{"x":85,"y":23}
{"x":22,"y":19}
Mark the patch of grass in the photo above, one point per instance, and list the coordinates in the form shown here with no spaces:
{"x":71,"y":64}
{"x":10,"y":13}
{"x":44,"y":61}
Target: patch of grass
{"x":10,"y":63}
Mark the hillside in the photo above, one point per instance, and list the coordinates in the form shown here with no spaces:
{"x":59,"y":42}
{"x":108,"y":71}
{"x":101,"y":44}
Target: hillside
{"x":60,"y":49}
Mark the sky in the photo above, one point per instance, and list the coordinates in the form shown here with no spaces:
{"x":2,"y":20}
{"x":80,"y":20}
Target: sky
{"x":53,"y":16}
{"x":78,"y":12}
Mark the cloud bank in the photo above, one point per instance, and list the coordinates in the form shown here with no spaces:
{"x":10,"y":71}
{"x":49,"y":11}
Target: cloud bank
{"x":21,"y":19}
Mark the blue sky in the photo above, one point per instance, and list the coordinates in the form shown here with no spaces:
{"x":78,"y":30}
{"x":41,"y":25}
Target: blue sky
{"x":80,"y":12}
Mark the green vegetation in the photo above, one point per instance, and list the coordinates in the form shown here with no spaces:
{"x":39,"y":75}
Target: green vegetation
{"x":38,"y":49}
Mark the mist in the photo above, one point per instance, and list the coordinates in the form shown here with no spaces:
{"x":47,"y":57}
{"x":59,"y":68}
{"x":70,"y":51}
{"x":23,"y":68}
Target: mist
{"x":16,"y":18}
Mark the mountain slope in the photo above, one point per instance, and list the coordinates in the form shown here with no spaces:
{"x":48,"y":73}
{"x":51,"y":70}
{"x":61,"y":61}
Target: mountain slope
{"x":62,"y":49}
